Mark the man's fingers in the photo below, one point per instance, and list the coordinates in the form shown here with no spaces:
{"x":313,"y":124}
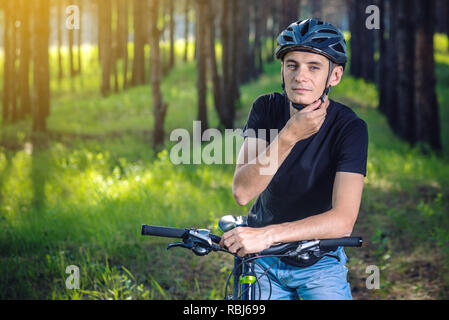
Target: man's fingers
{"x":312,"y":107}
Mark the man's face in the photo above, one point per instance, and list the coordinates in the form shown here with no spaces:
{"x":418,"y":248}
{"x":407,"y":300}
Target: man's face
{"x":305,"y":75}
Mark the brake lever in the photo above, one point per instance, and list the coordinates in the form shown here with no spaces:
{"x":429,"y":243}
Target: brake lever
{"x":180,"y":244}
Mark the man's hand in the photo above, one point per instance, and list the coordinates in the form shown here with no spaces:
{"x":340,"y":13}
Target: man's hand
{"x":246,"y":240}
{"x":305,"y":123}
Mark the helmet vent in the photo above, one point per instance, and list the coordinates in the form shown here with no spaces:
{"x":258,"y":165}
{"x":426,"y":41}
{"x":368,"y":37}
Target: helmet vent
{"x":319,"y":40}
{"x":305,"y":29}
{"x":288,"y":38}
{"x":338,"y":48}
{"x":290,"y":29}
{"x":327,"y":31}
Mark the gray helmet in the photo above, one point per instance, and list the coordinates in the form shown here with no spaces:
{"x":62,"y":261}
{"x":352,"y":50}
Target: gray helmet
{"x":316,"y":36}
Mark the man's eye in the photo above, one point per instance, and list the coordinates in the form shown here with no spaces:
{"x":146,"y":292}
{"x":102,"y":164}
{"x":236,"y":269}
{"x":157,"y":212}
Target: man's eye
{"x":313,"y":68}
{"x":291,"y":66}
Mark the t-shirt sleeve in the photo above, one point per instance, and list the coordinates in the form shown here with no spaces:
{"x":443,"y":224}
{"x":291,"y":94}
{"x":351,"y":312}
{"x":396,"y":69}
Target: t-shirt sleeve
{"x":257,"y":123}
{"x":352,"y":150}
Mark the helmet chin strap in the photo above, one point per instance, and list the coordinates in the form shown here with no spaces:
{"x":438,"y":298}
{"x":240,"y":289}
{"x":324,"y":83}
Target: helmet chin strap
{"x":326,"y":91}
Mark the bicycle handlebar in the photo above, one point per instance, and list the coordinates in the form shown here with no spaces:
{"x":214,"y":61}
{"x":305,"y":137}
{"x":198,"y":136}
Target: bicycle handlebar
{"x":167,"y":232}
{"x":324,"y":244}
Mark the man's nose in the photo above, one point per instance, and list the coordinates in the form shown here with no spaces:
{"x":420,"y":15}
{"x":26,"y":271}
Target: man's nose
{"x":301,"y":75}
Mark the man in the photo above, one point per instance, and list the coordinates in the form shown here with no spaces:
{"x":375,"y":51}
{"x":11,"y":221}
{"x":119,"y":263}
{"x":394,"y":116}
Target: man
{"x":320,"y":153}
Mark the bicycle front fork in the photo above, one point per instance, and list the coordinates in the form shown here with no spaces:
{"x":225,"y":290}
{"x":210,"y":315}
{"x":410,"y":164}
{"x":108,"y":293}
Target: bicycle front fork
{"x":244,"y":280}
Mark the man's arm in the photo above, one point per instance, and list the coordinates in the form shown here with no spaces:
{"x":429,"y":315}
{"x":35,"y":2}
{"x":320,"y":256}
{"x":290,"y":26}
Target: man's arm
{"x":253,"y":173}
{"x":335,"y":223}
{"x":256,"y":166}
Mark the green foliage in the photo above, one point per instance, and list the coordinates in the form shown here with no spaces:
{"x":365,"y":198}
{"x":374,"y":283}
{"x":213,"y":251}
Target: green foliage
{"x":80,"y":197}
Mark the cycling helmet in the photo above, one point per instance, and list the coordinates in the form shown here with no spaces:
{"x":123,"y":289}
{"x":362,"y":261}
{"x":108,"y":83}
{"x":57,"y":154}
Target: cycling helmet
{"x":316,"y":36}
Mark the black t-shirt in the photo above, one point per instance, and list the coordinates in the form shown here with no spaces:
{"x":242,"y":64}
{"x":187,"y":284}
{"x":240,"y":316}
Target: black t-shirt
{"x":302,"y":186}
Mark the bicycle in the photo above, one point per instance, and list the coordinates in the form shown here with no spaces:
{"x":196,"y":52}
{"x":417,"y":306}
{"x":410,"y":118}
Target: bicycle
{"x":201,"y":242}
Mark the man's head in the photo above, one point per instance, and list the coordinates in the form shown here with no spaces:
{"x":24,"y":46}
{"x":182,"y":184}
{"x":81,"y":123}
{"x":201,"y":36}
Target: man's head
{"x":310,"y":49}
{"x":305,"y":75}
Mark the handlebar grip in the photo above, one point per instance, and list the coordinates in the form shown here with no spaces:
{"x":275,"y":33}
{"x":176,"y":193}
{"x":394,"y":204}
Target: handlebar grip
{"x":162,"y":231}
{"x":343,"y":242}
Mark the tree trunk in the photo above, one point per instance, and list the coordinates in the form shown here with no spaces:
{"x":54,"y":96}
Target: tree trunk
{"x":70,"y":33}
{"x":384,"y":70}
{"x":122,"y":26}
{"x":59,"y":26}
{"x":186,"y":29}
{"x":427,"y":124}
{"x":160,"y":108}
{"x":226,"y":65}
{"x":138,"y":76}
{"x":235,"y":65}
{"x":216,"y":79}
{"x":405,"y":73}
{"x":106,"y":45}
{"x":202,"y":7}
{"x":391,"y":94}
{"x":79,"y":38}
{"x":171,"y":10}
{"x":41,"y":37}
{"x":7,"y":74}
{"x":25,"y":56}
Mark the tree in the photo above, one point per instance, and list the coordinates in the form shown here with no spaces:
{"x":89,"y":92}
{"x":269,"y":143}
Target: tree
{"x":202,"y":7}
{"x":138,"y":69}
{"x":186,"y":29}
{"x":59,"y":27}
{"x":41,"y":37}
{"x":105,"y":43}
{"x":171,"y":10}
{"x":362,"y":63}
{"x":405,"y":73}
{"x":8,"y":73}
{"x":425,"y":111}
{"x":216,"y":79}
{"x":159,"y":107}
{"x":25,"y":56}
{"x":122,"y":34}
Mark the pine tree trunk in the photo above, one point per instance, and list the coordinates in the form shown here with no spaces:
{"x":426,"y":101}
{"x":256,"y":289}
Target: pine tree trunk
{"x":226,"y":65}
{"x":216,"y":79}
{"x":59,"y":27}
{"x":171,"y":10}
{"x":160,"y":108}
{"x":391,"y":94}
{"x":138,"y":72}
{"x":106,"y":45}
{"x":186,"y":29}
{"x":202,"y":7}
{"x":122,"y":27}
{"x":427,"y":124}
{"x":79,"y":38}
{"x":25,"y":56}
{"x":41,"y":36}
{"x":7,"y":73}
{"x":70,"y":33}
{"x":405,"y":73}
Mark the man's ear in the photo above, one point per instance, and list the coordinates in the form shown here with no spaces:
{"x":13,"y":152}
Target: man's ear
{"x":337,"y":73}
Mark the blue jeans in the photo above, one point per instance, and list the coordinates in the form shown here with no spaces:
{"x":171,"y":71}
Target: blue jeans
{"x":325,"y":280}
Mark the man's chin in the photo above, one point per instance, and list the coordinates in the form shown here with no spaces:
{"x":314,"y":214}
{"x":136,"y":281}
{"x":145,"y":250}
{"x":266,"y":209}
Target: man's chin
{"x":302,"y":99}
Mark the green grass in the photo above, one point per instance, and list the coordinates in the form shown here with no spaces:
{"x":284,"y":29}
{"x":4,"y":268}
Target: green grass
{"x":80,"y":195}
